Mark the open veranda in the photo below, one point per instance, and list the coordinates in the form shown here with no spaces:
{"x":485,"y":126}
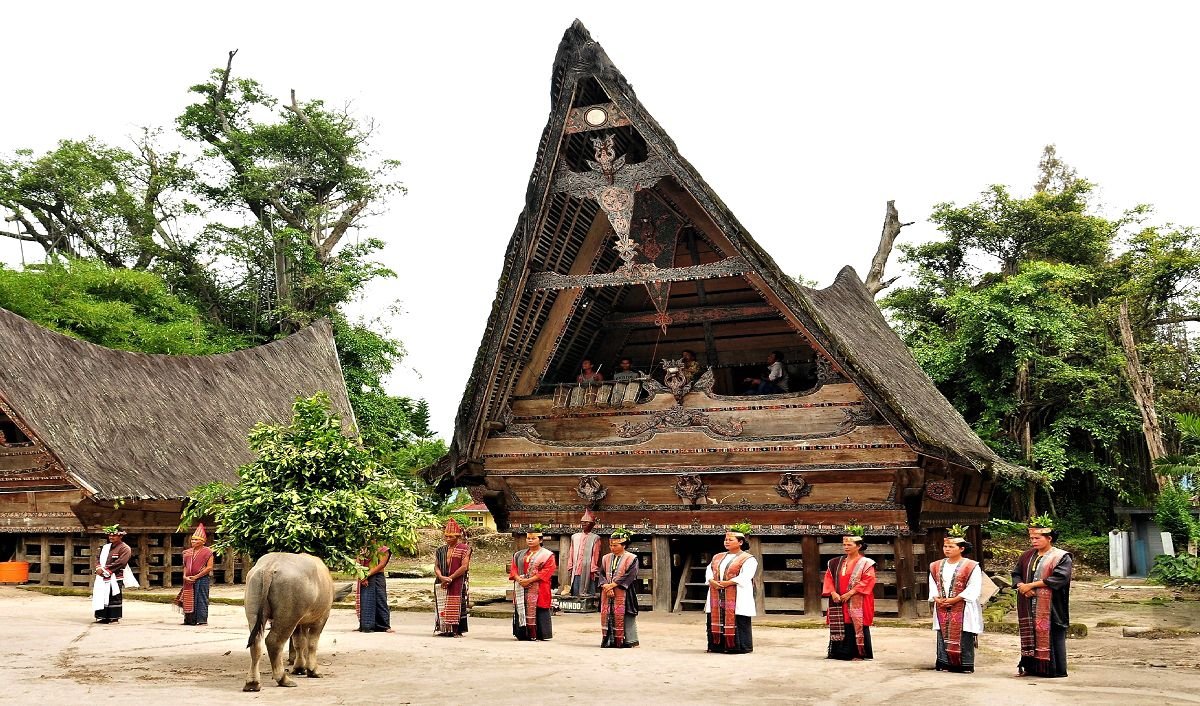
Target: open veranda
{"x":56,"y":654}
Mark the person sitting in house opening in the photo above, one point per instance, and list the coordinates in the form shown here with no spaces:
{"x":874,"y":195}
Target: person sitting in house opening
{"x":774,"y":382}
{"x":588,"y":376}
{"x":691,"y":367}
{"x":625,"y":371}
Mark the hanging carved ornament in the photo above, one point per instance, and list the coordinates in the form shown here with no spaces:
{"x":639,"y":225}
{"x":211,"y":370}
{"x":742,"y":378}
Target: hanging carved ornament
{"x":859,"y":417}
{"x":477,"y":493}
{"x":940,"y":490}
{"x":676,"y":382}
{"x":679,"y":417}
{"x":590,"y":491}
{"x":692,"y":488}
{"x":612,"y":183}
{"x":793,"y":486}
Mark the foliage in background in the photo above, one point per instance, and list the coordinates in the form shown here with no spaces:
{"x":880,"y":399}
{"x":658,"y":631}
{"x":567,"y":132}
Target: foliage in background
{"x":310,"y":489}
{"x":247,"y":221}
{"x":1012,"y":314}
{"x":115,"y":307}
{"x":1173,"y":513}
{"x":1180,"y":570}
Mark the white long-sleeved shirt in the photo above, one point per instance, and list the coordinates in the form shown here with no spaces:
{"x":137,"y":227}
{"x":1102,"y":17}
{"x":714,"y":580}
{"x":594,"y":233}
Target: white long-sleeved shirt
{"x":744,"y":581}
{"x":973,"y":613}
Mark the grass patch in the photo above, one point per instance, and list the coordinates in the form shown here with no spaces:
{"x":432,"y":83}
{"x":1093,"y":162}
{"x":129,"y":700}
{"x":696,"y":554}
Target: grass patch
{"x":167,"y":598}
{"x":1166,"y":633}
{"x":1112,"y":624}
{"x":1076,"y":630}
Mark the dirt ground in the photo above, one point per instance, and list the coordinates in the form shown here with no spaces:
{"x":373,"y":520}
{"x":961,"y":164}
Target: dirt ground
{"x":55,"y":654}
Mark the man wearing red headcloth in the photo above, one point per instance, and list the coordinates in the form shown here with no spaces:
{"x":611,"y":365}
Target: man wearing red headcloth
{"x":197,"y":579}
{"x":452,"y":561}
{"x":583,"y":561}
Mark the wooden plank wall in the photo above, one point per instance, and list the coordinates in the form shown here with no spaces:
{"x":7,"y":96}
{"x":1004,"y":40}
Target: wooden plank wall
{"x":67,"y":559}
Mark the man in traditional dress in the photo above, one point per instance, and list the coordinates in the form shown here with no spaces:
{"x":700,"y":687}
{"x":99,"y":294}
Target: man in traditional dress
{"x":531,"y":572}
{"x":618,"y":593}
{"x":370,"y":598}
{"x":197,"y":572}
{"x":1043,"y":580}
{"x":955,"y":584}
{"x":111,"y":574}
{"x":451,"y":563}
{"x":583,"y":560}
{"x":850,"y":586}
{"x":730,"y":605}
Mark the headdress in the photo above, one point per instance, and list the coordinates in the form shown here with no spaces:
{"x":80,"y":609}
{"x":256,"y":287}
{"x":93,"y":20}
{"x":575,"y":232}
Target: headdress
{"x":536,"y":530}
{"x":621,"y":535}
{"x":452,"y":527}
{"x":588,"y":516}
{"x":957,"y":534}
{"x":200,"y":533}
{"x":112,"y":529}
{"x":854,"y":533}
{"x":740,"y":529}
{"x":1042,"y":524}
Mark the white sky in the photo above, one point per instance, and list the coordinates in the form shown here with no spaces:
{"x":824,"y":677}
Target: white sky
{"x":805,"y":118}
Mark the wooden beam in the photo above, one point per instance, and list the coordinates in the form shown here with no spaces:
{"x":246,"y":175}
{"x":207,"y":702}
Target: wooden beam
{"x":759,"y":589}
{"x":69,"y":561}
{"x":557,"y":319}
{"x":144,"y":559}
{"x":728,"y":267}
{"x":564,"y":549}
{"x":661,"y":555}
{"x":44,"y":579}
{"x":811,"y":561}
{"x":695,"y":315}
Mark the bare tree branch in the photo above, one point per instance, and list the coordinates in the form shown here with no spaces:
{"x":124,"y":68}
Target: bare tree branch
{"x":891,"y":229}
{"x":1174,"y":319}
{"x":1141,"y":384}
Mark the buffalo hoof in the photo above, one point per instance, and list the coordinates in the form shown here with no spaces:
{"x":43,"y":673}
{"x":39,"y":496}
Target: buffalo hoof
{"x":299,"y":671}
{"x":313,"y":675}
{"x":252,"y":686}
{"x":286,"y":682}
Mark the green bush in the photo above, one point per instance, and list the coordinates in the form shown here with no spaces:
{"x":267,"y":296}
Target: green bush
{"x":1004,"y":528}
{"x":1181,"y":570}
{"x":1089,"y":551}
{"x":1173,"y":512}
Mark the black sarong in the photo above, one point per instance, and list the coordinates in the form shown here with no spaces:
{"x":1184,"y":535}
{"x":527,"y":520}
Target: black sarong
{"x":967,"y":645}
{"x":1057,"y":664}
{"x":847,"y":648}
{"x":545,"y":630}
{"x":112,"y":612}
{"x":743,"y":638}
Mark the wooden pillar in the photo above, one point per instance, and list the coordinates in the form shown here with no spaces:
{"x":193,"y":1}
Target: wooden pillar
{"x":905,"y":578}
{"x":22,"y":555}
{"x":247,"y":564}
{"x":69,"y":560}
{"x":228,"y":565}
{"x":811,"y":561}
{"x":660,"y":548}
{"x":144,"y":559}
{"x":975,"y":537}
{"x":564,"y":551}
{"x":759,"y":589}
{"x":44,"y":579}
{"x":168,"y":560}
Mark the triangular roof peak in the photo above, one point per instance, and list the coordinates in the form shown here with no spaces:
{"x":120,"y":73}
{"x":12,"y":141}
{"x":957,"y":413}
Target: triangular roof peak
{"x":564,"y":216}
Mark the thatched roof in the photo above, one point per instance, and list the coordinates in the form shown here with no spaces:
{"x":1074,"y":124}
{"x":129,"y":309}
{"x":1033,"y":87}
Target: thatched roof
{"x":842,"y":317}
{"x":133,"y":425}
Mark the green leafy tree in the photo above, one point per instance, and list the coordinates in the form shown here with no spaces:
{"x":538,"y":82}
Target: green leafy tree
{"x":311,"y":489}
{"x":1013,"y":315}
{"x":111,"y":306}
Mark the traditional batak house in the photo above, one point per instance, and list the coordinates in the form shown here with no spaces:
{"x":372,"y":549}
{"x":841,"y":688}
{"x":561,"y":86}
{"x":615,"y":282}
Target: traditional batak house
{"x":622,"y":250}
{"x":90,"y":436}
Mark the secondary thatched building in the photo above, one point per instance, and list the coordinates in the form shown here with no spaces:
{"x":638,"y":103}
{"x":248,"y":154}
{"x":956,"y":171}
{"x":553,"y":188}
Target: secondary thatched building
{"x":90,"y":436}
{"x":623,"y":251}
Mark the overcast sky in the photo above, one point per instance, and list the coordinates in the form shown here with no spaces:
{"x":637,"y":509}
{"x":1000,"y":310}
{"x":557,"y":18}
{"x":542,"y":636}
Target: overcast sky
{"x":805,"y":118}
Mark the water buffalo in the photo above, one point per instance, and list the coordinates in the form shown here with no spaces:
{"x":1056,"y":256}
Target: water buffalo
{"x":295,"y":593}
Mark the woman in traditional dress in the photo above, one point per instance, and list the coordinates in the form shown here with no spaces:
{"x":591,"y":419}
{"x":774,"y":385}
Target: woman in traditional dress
{"x":452,"y":562}
{"x":370,"y":600}
{"x":1042,"y":577}
{"x":730,"y":604}
{"x":850,"y":587}
{"x":197,"y":573}
{"x":531,"y":572}
{"x":112,"y":574}
{"x":955,"y":584}
{"x":618,"y":593}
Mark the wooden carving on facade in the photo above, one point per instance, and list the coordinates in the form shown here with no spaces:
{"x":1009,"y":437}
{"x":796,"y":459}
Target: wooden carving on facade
{"x":679,"y":417}
{"x":793,"y":487}
{"x":676,"y":381}
{"x":595,"y":117}
{"x":590,"y":491}
{"x":940,"y":490}
{"x":691,"y":487}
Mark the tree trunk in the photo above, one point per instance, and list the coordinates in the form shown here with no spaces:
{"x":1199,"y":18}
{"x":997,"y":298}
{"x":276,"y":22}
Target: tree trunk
{"x":1142,"y":386}
{"x":891,"y":228}
{"x":1024,"y":432}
